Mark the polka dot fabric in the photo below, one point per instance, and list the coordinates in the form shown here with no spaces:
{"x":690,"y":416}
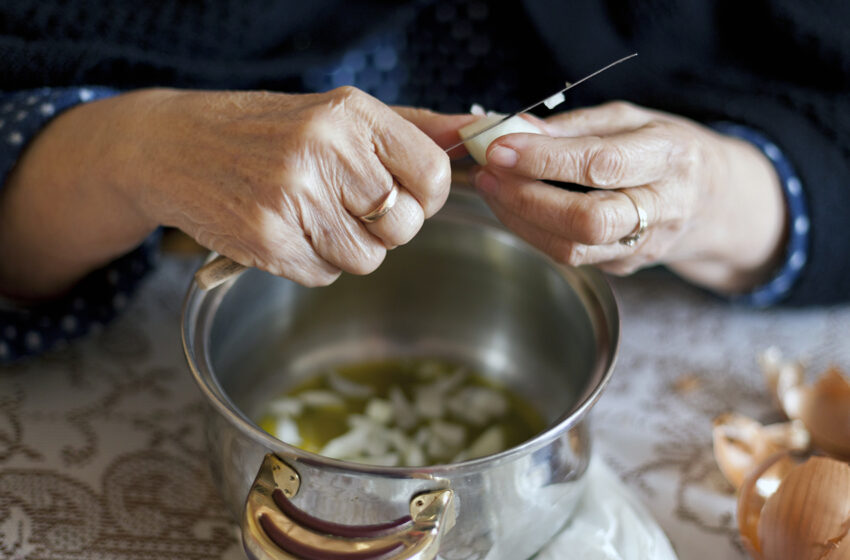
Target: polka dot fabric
{"x":33,"y":329}
{"x":24,"y":113}
{"x":444,"y":57}
{"x":797,"y":247}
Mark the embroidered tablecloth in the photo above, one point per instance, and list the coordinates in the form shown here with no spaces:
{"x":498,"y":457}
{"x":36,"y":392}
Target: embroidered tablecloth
{"x":101,"y":452}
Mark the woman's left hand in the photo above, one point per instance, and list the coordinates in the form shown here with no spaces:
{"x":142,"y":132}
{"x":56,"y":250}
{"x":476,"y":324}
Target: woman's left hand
{"x":714,"y":208}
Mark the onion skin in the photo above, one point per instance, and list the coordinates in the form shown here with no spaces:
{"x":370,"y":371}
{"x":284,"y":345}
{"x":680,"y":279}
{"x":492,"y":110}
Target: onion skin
{"x":808,"y":517}
{"x":825,"y":410}
{"x":760,"y":484}
{"x":742,"y":444}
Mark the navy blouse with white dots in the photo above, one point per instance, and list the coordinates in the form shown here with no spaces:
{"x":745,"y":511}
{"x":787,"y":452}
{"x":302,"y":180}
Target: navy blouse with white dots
{"x":379,"y":66}
{"x":35,"y":328}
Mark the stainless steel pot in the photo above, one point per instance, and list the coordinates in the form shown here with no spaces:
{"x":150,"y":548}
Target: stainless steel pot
{"x":464,"y":289}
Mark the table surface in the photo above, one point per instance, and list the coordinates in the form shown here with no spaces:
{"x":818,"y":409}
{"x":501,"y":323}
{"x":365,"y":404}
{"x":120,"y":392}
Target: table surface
{"x":101,"y":452}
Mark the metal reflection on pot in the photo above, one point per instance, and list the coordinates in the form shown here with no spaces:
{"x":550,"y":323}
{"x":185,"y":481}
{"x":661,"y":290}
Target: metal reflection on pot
{"x":464,"y":290}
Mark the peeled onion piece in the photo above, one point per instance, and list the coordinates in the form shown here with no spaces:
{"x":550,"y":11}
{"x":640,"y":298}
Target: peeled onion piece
{"x":477,"y":146}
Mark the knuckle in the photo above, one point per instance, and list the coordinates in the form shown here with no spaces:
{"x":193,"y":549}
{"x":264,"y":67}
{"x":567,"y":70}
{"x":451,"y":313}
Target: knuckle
{"x":606,"y":166}
{"x":620,"y":107}
{"x":439,"y":180}
{"x":436,"y":184}
{"x":319,"y":279}
{"x":369,"y":260}
{"x":521,"y":202}
{"x":594,"y":225}
{"x":406,"y":234}
{"x":575,"y":255}
{"x":566,"y":252}
{"x":690,"y":154}
{"x":547,"y":162}
{"x":347,"y":93}
{"x":344,"y":100}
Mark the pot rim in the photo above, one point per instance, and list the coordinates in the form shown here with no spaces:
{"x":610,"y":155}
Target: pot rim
{"x":607,"y":351}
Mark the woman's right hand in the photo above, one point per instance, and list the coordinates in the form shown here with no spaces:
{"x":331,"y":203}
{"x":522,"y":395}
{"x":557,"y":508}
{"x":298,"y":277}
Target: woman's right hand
{"x":279,"y":181}
{"x":271,"y":180}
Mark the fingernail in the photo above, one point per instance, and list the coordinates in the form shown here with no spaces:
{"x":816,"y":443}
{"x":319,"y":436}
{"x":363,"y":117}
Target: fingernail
{"x":486,"y":183}
{"x":502,"y":156}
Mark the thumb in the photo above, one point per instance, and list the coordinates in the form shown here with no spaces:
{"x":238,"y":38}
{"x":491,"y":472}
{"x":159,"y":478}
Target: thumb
{"x":441,"y":128}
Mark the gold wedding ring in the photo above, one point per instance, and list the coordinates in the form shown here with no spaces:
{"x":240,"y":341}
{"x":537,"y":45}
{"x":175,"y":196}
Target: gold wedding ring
{"x":635,"y":235}
{"x":385,"y":206}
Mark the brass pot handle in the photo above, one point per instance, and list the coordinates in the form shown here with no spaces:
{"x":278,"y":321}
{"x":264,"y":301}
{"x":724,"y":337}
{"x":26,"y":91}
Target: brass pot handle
{"x":218,"y":271}
{"x":273,"y":528}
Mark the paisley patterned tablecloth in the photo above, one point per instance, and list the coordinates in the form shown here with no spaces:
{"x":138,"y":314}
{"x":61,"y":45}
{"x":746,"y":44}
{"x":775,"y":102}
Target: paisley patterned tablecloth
{"x":101,"y":453}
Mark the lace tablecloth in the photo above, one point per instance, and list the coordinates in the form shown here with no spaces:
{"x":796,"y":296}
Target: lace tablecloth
{"x":101,"y":452}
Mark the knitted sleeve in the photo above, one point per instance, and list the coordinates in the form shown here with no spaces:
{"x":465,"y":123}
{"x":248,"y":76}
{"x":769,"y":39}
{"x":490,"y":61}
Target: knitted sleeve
{"x":33,"y":329}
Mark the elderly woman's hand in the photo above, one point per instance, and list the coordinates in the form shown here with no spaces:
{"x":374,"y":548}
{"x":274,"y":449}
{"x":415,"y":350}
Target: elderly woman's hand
{"x":271,"y":180}
{"x":714,"y":207}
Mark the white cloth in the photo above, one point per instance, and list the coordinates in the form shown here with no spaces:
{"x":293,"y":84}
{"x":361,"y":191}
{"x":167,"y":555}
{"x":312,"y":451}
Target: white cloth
{"x":610,"y":524}
{"x":101,"y":444}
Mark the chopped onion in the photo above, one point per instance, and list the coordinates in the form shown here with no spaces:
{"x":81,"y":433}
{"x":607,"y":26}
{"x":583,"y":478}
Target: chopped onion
{"x":349,"y":444}
{"x":319,"y":398}
{"x":286,"y":430}
{"x":405,"y":416}
{"x":490,"y":442}
{"x":478,"y":405}
{"x":428,"y":419}
{"x":348,"y":388}
{"x":452,"y":434}
{"x":428,"y":401}
{"x":285,"y":407}
{"x":555,"y":100}
{"x":380,"y":410}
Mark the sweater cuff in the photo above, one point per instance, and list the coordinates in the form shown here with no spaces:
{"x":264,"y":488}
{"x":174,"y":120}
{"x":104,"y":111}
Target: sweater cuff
{"x":797,"y":247}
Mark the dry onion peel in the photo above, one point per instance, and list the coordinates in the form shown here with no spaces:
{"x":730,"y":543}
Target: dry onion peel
{"x":783,"y":379}
{"x":825,"y":410}
{"x":823,"y":407}
{"x":741,"y":443}
{"x":758,"y":485}
{"x":808,"y":517}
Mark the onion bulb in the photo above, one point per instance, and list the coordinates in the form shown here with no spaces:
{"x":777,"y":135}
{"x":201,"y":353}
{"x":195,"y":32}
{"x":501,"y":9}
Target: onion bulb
{"x":477,"y":146}
{"x":807,"y":517}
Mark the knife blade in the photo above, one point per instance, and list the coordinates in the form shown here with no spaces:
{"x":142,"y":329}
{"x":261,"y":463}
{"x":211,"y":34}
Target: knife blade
{"x":554,"y":96}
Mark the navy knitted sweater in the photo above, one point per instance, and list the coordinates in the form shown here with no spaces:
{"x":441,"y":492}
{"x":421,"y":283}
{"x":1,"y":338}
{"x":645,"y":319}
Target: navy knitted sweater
{"x":779,"y":66}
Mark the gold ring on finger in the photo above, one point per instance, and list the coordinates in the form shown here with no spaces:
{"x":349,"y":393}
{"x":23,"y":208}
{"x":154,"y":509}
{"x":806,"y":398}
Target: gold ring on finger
{"x":385,"y":206}
{"x":631,"y":239}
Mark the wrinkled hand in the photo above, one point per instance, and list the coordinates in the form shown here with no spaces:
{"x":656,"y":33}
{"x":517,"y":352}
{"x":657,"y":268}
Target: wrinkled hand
{"x":278,"y":181}
{"x":714,"y":206}
{"x":271,"y":180}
